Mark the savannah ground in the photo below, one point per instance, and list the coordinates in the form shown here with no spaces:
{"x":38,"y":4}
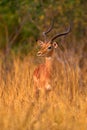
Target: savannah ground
{"x":65,"y":108}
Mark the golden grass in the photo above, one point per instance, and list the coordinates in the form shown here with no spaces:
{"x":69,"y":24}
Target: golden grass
{"x":64,"y":109}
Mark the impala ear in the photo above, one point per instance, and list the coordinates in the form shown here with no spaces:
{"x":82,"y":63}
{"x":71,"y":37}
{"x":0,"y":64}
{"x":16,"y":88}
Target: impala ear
{"x":40,"y":43}
{"x":55,"y":45}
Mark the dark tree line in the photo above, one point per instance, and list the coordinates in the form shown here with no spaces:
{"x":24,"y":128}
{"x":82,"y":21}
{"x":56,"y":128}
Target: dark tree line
{"x":23,"y":21}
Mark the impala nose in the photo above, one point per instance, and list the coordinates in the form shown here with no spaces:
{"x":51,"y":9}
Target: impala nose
{"x":39,"y":53}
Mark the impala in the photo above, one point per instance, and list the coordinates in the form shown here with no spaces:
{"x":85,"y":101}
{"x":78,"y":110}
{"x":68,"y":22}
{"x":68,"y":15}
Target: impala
{"x":43,"y":73}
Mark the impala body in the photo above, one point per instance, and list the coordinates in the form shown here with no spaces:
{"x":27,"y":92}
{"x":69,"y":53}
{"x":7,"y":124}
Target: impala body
{"x":43,"y":73}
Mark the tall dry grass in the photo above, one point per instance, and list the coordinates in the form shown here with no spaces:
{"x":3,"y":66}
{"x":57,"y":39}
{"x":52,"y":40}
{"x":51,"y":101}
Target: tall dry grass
{"x":65,"y":108}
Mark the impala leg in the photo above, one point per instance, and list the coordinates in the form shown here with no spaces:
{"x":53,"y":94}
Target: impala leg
{"x":37,"y":93}
{"x":47,"y":92}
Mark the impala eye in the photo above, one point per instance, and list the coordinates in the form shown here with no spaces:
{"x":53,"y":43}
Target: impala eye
{"x":49,"y":47}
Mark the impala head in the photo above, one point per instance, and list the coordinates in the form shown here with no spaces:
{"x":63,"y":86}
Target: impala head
{"x":47,"y":47}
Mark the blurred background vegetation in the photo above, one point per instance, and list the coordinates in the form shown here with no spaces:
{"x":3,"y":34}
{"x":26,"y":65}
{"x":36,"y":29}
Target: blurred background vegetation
{"x":23,"y":21}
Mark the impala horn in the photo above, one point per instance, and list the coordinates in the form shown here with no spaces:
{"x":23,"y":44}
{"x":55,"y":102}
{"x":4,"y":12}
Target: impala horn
{"x":61,"y":34}
{"x":49,"y":29}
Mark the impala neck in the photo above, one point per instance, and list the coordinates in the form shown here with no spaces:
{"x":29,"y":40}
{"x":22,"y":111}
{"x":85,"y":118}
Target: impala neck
{"x":49,"y":61}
